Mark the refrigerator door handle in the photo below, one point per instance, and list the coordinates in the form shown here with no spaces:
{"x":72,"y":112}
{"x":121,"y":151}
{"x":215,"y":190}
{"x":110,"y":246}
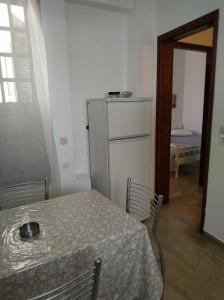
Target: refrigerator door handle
{"x":129,"y":137}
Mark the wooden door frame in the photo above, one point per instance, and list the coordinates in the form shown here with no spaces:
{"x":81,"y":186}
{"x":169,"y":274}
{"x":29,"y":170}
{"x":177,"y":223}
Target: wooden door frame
{"x":166,"y":44}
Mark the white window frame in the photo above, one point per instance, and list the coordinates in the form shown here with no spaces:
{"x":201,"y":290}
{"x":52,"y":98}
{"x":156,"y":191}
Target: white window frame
{"x":15,"y":55}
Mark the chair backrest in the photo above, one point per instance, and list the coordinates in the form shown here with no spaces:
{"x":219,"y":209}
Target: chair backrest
{"x":24,"y":193}
{"x":143,"y":204}
{"x":85,"y":286}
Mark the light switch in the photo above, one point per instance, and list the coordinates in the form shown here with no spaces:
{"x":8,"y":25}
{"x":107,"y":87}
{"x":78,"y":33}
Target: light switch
{"x":65,"y":164}
{"x":63,"y":140}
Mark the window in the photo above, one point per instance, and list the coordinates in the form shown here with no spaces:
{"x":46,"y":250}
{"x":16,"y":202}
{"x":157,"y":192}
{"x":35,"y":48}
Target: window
{"x":16,"y":84}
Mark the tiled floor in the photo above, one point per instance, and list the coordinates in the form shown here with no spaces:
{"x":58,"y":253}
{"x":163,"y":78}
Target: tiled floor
{"x":194,"y":264}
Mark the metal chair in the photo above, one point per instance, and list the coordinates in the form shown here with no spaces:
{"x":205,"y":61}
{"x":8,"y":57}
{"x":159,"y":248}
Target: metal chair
{"x":84,"y":286}
{"x":145,"y":206}
{"x":24,"y":193}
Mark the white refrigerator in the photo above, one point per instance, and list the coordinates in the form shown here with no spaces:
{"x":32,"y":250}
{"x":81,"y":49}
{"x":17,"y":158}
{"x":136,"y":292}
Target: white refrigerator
{"x":119,"y":144}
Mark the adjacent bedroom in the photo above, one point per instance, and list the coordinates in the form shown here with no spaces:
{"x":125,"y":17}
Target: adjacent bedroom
{"x":186,"y":182}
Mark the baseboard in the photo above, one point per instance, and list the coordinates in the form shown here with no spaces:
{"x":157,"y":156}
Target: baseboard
{"x":212,"y":238}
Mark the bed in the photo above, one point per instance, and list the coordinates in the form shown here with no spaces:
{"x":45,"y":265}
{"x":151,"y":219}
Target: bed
{"x":185,"y":148}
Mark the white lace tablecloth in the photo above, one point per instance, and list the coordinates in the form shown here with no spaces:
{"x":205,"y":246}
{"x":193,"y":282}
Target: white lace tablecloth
{"x":76,"y":229}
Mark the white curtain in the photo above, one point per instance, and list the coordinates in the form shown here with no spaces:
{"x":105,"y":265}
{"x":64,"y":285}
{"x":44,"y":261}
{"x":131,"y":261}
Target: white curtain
{"x":42,"y":90}
{"x":27,"y":148}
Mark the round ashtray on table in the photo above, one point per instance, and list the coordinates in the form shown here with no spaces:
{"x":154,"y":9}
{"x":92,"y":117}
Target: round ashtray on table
{"x":29,"y":230}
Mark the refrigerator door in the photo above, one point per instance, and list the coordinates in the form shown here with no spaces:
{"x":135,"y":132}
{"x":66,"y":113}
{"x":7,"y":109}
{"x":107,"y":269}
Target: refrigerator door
{"x":129,"y":118}
{"x":128,"y":158}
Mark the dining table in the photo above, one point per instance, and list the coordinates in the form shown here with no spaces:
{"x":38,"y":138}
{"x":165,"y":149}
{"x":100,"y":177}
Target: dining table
{"x":75,"y":229}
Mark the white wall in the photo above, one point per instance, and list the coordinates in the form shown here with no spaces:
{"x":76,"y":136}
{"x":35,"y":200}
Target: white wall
{"x":188,"y":85}
{"x":171,"y":14}
{"x":97,"y":56}
{"x":194,"y":87}
{"x":114,"y":5}
{"x":54,"y":27}
{"x":178,"y":87}
{"x":141,"y":41}
{"x":87,"y":52}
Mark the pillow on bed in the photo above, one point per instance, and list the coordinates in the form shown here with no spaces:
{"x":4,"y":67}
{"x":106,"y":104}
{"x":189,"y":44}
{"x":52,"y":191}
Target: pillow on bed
{"x":181,"y":132}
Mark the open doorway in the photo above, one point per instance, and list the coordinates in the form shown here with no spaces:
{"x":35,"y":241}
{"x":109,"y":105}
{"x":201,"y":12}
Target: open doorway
{"x":167,"y":43}
{"x":185,"y":193}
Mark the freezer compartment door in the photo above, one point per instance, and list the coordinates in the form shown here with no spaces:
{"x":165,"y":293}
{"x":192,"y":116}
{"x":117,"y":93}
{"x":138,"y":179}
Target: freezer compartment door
{"x":128,"y":158}
{"x":129,"y":118}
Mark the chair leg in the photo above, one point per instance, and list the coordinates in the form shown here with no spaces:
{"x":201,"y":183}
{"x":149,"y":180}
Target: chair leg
{"x":162,"y":261}
{"x":46,"y":188}
{"x":176,"y":171}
